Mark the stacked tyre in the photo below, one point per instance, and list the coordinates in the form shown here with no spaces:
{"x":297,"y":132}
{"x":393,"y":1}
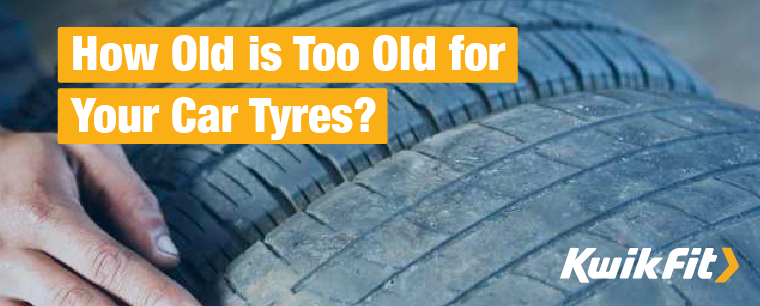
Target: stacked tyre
{"x":606,"y":142}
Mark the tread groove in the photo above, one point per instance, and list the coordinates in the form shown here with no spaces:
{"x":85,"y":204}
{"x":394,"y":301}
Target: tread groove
{"x":370,"y":189}
{"x":742,"y":257}
{"x":230,"y":286}
{"x":583,"y":295}
{"x":275,"y":253}
{"x":290,"y":152}
{"x":224,"y":225}
{"x":282,"y":199}
{"x":737,"y":186}
{"x":676,"y":124}
{"x":270,"y":159}
{"x":681,"y":210}
{"x":333,"y":169}
{"x":570,"y":64}
{"x":680,"y":293}
{"x":249,"y":193}
{"x":541,"y":281}
{"x":318,"y":220}
{"x":422,"y":110}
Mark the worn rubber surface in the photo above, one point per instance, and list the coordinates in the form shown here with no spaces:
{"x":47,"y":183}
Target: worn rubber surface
{"x":222,"y":198}
{"x":485,"y":213}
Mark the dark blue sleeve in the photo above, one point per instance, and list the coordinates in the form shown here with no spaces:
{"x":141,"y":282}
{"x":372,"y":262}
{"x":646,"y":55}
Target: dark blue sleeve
{"x":18,"y":69}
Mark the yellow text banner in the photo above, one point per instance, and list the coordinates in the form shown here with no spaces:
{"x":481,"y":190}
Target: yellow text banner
{"x":287,"y":55}
{"x":222,"y":116}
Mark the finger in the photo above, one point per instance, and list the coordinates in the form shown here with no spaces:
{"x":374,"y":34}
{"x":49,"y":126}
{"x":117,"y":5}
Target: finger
{"x":35,"y":170}
{"x":118,"y":191}
{"x":39,"y":280}
{"x":81,"y":245}
{"x":41,"y":211}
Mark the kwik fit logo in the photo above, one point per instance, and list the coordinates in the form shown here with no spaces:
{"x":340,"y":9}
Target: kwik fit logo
{"x":636,"y":267}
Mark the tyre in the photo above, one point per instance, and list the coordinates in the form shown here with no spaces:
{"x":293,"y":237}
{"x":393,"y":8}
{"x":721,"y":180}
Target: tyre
{"x":220,"y":199}
{"x":485,"y":213}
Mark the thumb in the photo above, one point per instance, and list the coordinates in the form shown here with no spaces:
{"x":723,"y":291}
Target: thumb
{"x":115,"y":189}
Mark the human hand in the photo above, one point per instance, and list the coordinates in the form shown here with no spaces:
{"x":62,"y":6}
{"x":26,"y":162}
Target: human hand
{"x":52,"y":253}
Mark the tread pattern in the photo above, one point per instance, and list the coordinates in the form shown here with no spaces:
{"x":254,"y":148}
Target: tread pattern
{"x":241,"y":192}
{"x":484,"y":214}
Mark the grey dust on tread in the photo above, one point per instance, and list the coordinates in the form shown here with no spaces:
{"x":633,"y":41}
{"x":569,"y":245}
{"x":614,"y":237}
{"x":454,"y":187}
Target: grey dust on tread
{"x":225,"y":197}
{"x":484,"y":214}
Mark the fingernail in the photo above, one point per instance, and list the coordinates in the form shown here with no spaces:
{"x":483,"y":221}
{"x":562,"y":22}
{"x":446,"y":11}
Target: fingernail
{"x":166,"y":246}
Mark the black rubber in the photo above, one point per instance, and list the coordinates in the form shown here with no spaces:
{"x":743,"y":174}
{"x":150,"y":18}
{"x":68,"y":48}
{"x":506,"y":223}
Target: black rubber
{"x":222,"y":198}
{"x":484,"y":214}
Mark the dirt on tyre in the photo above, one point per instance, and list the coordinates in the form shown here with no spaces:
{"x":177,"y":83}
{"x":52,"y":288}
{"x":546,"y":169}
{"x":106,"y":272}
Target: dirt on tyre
{"x":485,"y":214}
